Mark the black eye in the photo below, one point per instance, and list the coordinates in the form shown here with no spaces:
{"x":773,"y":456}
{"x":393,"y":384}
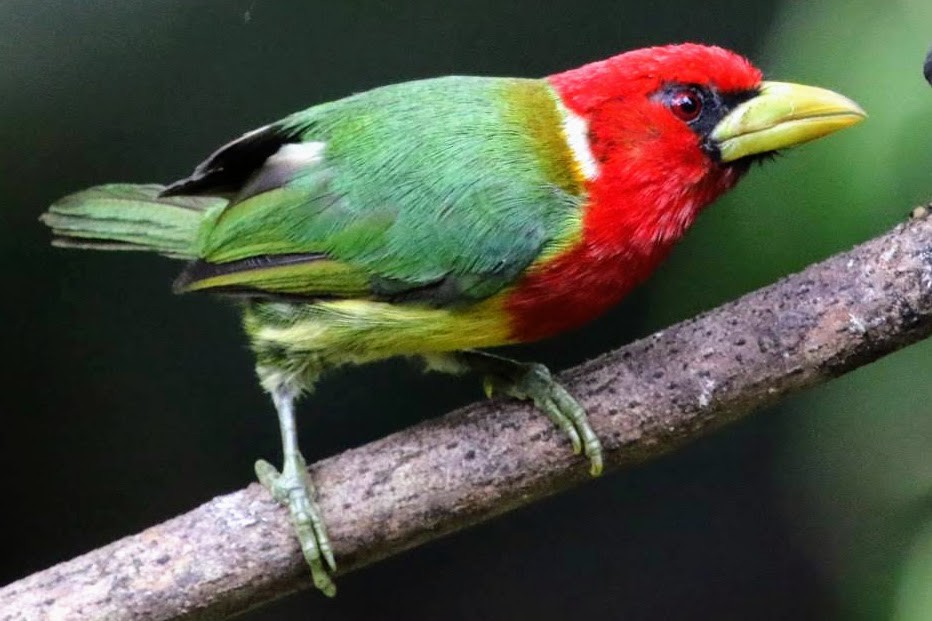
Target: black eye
{"x":686,"y":104}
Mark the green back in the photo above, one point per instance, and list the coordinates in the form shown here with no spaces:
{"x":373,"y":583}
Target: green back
{"x":444,"y":190}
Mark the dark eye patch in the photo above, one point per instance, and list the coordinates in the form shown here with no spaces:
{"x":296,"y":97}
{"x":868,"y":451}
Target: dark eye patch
{"x":715,"y":106}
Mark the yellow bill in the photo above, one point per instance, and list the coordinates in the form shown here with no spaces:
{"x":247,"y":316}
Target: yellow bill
{"x":783,"y":115}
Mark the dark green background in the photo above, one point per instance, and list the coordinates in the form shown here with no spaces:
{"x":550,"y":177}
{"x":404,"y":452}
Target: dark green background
{"x":123,"y":405}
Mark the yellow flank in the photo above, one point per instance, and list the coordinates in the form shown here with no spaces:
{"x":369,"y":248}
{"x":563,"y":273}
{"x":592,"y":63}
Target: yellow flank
{"x":356,"y":331}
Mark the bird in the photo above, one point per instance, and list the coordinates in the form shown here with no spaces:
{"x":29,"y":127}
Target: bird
{"x":437,"y":218}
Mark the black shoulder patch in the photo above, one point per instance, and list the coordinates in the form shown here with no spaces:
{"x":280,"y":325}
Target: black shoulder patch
{"x":230,"y":167}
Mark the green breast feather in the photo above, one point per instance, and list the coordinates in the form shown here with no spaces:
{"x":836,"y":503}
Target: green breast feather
{"x":441,"y":191}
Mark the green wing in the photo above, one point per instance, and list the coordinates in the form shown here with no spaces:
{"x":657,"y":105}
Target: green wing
{"x":440,"y":190}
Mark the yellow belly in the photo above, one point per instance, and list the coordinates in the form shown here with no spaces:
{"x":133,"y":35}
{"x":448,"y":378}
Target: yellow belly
{"x":355,"y":331}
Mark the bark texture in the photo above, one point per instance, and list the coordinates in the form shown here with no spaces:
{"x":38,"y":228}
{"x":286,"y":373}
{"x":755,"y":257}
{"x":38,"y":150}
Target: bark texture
{"x":237,"y":551}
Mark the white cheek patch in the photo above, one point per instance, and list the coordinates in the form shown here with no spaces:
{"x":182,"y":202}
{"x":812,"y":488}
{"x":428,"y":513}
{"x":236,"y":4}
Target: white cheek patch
{"x":576,"y":130}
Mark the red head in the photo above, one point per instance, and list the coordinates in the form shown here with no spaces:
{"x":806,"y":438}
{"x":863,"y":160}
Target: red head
{"x":650,"y":113}
{"x":659,"y":133}
{"x":644,"y":71}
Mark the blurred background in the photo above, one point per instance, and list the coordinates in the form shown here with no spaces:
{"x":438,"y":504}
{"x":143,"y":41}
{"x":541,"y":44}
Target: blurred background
{"x":123,"y":405}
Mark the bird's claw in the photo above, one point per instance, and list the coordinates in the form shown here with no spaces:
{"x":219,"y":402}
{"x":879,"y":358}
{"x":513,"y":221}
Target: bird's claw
{"x":293,"y":488}
{"x":488,"y":386}
{"x":534,"y":382}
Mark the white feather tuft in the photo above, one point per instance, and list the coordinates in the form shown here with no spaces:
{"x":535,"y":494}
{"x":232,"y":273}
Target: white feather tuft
{"x":297,"y":155}
{"x":576,"y":130}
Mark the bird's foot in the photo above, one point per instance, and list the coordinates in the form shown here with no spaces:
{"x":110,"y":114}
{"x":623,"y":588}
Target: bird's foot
{"x":293,"y":488}
{"x":534,"y":381}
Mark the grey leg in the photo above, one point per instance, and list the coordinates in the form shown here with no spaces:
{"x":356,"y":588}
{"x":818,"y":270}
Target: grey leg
{"x":294,"y":489}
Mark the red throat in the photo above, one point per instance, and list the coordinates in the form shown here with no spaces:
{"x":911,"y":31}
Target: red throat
{"x":653,"y":180}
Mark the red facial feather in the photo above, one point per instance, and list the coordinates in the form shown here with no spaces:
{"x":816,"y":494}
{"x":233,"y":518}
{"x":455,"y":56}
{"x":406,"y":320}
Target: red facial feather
{"x":653,"y":180}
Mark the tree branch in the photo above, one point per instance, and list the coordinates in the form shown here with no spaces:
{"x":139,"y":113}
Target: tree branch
{"x":645,"y":399}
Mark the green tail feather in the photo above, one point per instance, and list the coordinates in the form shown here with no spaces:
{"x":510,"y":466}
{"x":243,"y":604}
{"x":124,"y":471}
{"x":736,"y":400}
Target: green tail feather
{"x":129,"y":217}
